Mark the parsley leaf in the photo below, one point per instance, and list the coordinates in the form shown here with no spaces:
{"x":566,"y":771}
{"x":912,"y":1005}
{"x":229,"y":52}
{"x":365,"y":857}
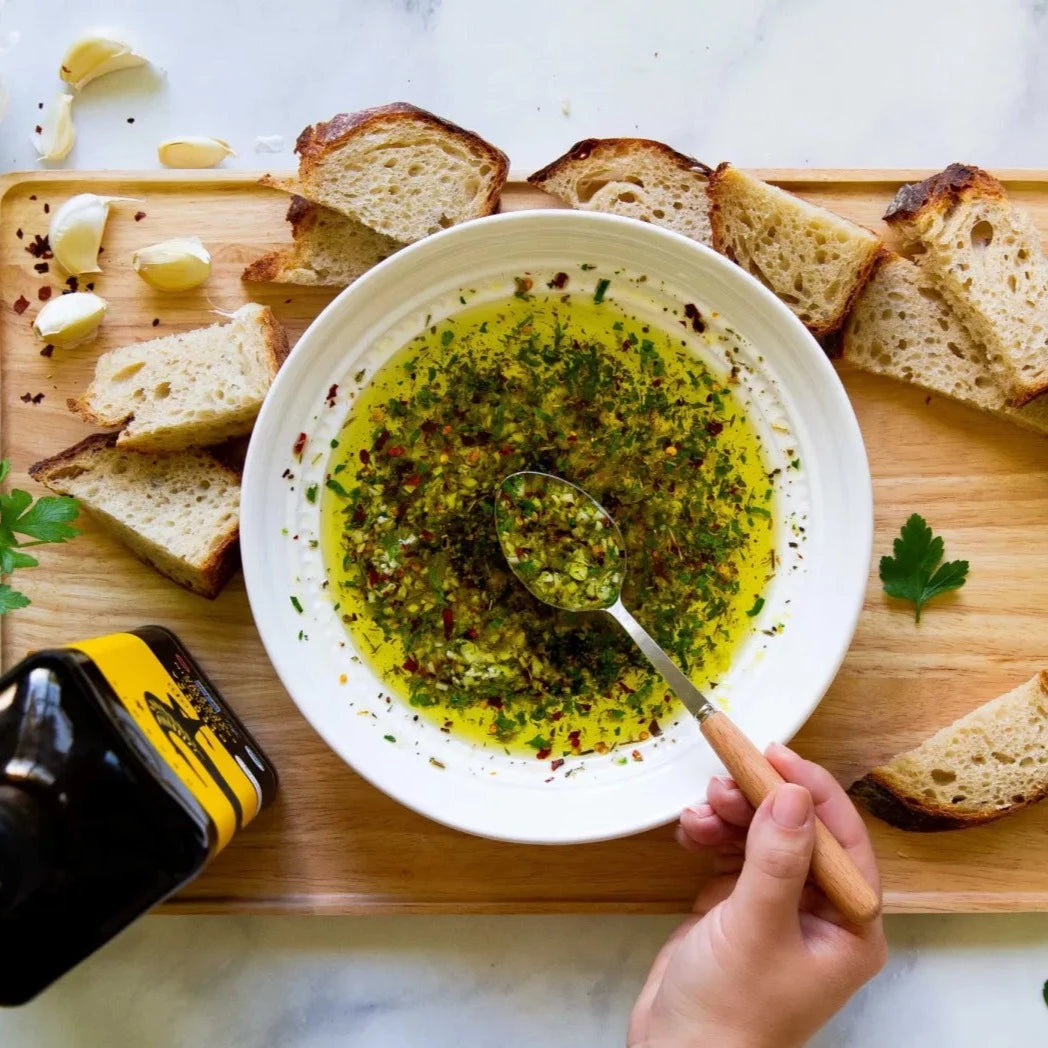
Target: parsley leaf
{"x":46,"y":520}
{"x":915,"y":572}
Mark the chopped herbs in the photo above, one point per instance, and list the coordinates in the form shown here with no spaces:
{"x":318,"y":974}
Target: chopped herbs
{"x":556,"y":383}
{"x":296,"y":604}
{"x":756,"y":609}
{"x":915,"y":573}
{"x":602,"y":287}
{"x":311,"y":493}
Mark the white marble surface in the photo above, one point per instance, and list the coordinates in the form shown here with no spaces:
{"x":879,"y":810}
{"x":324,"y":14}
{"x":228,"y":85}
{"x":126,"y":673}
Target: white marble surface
{"x":794,"y":82}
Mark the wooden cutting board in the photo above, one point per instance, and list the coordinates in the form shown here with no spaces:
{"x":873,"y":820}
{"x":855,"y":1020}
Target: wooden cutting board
{"x":334,"y":844}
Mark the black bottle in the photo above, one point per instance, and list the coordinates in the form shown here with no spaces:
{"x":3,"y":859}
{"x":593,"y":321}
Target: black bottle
{"x":122,"y":772}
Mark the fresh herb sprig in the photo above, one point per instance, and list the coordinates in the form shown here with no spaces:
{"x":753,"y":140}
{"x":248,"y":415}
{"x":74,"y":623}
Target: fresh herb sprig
{"x":916,"y":573}
{"x":43,"y":521}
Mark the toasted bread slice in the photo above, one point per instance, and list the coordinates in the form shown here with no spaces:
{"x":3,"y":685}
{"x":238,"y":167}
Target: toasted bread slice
{"x":901,"y":327}
{"x":188,"y":390}
{"x":985,"y":255}
{"x":636,"y":177}
{"x":399,"y":170}
{"x":177,"y":511}
{"x":328,"y":249}
{"x":988,"y":764}
{"x":814,"y":260}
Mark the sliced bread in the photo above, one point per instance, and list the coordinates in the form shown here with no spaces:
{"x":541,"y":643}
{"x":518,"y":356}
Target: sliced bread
{"x":399,"y":170}
{"x":985,"y":256}
{"x":988,"y":764}
{"x":177,"y":511}
{"x":814,"y":260}
{"x":635,"y":177}
{"x":328,"y":249}
{"x":901,"y":327}
{"x":194,"y":389}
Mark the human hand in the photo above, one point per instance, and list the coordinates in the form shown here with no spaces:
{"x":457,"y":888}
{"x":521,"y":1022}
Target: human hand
{"x":766,"y":960}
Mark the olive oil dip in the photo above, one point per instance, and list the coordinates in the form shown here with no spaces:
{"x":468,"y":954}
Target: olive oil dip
{"x":573,"y":385}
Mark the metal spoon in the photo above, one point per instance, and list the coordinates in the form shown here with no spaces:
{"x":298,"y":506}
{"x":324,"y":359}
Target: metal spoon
{"x":569,"y":552}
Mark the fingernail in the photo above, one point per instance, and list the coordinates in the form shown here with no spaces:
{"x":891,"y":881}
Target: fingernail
{"x":724,"y":782}
{"x":791,"y":806}
{"x":779,"y":750}
{"x":700,"y":811}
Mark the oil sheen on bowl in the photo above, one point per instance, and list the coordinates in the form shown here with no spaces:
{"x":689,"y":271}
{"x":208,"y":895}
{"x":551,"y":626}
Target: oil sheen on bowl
{"x":632,"y":361}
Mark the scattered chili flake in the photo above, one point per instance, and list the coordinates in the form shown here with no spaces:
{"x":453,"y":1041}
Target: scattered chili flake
{"x":296,"y":604}
{"x":331,"y":394}
{"x":37,"y":398}
{"x":691,"y":311}
{"x":32,"y":196}
{"x":637,"y":755}
{"x":47,"y":350}
{"x":40,"y":247}
{"x":39,"y":130}
{"x":543,"y":754}
{"x":472,"y":633}
{"x":447,"y":616}
{"x":365,"y":456}
{"x":380,"y":440}
{"x":44,"y":293}
{"x":299,"y":446}
{"x":25,"y":398}
{"x":654,"y":728}
{"x":558,"y":763}
{"x":395,"y":452}
{"x":156,"y":321}
{"x":559,"y":281}
{"x":47,"y":209}
{"x":72,"y":283}
{"x":19,"y":233}
{"x":139,"y":215}
{"x":21,"y":304}
{"x":714,"y":427}
{"x":41,"y":267}
{"x":410,"y":665}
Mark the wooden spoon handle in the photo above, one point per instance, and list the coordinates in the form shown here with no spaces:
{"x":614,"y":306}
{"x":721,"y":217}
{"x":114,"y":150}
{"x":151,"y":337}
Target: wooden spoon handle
{"x":831,"y":867}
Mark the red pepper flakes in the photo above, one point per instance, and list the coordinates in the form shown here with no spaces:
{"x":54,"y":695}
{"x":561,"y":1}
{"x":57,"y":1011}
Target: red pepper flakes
{"x":691,"y":311}
{"x":380,"y":440}
{"x":448,"y":618}
{"x":558,"y":763}
{"x":413,"y":481}
{"x":359,"y":515}
{"x":395,"y":452}
{"x":19,"y":233}
{"x":21,"y":304}
{"x":38,"y":130}
{"x":26,"y":397}
{"x":495,"y":704}
{"x":637,"y":755}
{"x":427,"y":536}
{"x":507,"y":450}
{"x":37,"y":398}
{"x":713,"y":427}
{"x":40,"y":247}
{"x":32,"y":196}
{"x":559,"y":281}
{"x":47,"y":350}
{"x":654,"y":728}
{"x":331,"y":394}
{"x":72,"y":283}
{"x":429,"y":426}
{"x":365,"y":456}
{"x":410,"y":665}
{"x":556,"y":715}
{"x":543,"y":754}
{"x":156,"y":321}
{"x":139,"y":215}
{"x":47,"y":209}
{"x":41,"y":267}
{"x":374,"y":578}
{"x":44,"y":293}
{"x":299,"y":446}
{"x":472,"y":633}
{"x":574,"y":739}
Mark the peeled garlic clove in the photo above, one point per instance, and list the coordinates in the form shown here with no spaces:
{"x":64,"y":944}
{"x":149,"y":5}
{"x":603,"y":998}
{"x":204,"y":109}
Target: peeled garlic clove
{"x":56,"y":136}
{"x":70,"y":320}
{"x":173,"y":265}
{"x":193,"y":151}
{"x":76,"y":232}
{"x":93,"y":56}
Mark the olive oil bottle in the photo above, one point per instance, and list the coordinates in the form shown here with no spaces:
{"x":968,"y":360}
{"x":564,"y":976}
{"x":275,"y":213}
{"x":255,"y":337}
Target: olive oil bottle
{"x":122,"y":772}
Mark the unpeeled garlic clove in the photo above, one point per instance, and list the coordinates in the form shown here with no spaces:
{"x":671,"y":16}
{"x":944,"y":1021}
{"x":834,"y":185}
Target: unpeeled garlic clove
{"x":95,"y":55}
{"x":56,"y":136}
{"x":193,"y":151}
{"x":70,"y":320}
{"x":76,"y":232}
{"x":173,"y":265}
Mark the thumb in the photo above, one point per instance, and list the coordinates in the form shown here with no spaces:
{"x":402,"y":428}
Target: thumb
{"x":778,"y":855}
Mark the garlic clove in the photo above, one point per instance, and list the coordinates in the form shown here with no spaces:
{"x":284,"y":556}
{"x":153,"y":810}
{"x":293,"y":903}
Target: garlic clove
{"x":76,"y":231}
{"x":56,"y":136}
{"x":70,"y":320}
{"x":95,"y":55}
{"x":173,"y":265}
{"x":193,"y":151}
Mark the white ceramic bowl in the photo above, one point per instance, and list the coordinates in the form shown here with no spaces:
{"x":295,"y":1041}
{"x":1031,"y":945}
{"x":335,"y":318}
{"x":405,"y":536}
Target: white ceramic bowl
{"x":776,"y":679}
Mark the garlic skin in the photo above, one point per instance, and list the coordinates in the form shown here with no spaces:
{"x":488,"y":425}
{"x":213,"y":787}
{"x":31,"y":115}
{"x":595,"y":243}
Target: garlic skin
{"x":94,"y":55}
{"x":173,"y":265}
{"x":193,"y":151}
{"x":76,"y":232}
{"x":70,"y":320}
{"x":56,"y":136}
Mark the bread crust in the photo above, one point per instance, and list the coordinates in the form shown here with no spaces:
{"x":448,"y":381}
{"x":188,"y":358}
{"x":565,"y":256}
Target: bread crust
{"x":584,"y":150}
{"x":224,"y":556}
{"x":942,"y":192}
{"x":720,"y":244}
{"x":879,"y":792}
{"x":318,"y":140}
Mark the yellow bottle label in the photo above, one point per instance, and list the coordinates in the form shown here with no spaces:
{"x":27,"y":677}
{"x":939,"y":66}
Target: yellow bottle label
{"x":220,"y":781}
